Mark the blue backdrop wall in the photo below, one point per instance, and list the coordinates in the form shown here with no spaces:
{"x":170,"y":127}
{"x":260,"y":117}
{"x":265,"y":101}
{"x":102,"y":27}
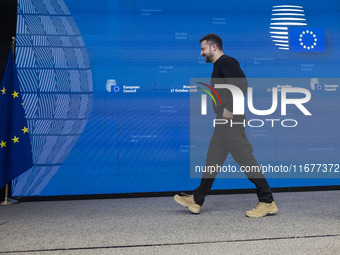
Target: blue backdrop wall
{"x":98,"y":77}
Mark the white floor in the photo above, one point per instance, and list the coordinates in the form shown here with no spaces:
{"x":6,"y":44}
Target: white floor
{"x":307,"y":223}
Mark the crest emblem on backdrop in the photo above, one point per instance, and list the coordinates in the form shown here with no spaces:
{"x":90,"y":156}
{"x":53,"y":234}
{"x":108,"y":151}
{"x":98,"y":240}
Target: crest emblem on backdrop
{"x":56,"y":84}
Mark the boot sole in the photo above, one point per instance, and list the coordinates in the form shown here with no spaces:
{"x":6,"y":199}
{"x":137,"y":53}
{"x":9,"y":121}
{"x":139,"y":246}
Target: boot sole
{"x":268,"y":213}
{"x":192,"y":209}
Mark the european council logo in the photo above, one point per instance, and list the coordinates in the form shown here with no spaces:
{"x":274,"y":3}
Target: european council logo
{"x":307,"y":39}
{"x":111,"y":86}
{"x":289,"y":30}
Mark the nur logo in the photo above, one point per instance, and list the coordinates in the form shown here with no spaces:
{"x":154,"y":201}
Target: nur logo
{"x":238,"y":100}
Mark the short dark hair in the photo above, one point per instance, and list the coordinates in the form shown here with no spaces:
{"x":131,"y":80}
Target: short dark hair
{"x":213,"y":38}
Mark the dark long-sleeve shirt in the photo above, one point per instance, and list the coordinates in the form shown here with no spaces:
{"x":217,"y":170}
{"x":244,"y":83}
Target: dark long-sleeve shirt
{"x":227,"y":70}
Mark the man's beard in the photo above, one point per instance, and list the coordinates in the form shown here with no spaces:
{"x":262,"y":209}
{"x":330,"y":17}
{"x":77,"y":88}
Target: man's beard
{"x":209,"y":57}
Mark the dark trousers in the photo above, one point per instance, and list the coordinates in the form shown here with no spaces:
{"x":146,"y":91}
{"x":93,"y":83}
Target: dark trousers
{"x":233,"y":139}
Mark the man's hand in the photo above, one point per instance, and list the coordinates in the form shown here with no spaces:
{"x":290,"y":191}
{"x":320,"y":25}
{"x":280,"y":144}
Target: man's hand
{"x":226,"y":114}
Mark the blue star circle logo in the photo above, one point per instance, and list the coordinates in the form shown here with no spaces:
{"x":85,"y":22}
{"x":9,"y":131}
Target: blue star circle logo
{"x":308,"y":40}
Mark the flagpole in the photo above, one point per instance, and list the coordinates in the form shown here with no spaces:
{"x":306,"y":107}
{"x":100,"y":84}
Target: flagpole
{"x":7,"y":200}
{"x":13,"y":45}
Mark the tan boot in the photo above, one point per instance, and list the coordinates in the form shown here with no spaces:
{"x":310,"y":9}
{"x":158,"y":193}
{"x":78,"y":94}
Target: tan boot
{"x":262,"y":209}
{"x":188,"y":201}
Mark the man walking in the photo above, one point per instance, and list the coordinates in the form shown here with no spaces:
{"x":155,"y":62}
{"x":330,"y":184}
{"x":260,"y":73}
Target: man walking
{"x":228,"y":138}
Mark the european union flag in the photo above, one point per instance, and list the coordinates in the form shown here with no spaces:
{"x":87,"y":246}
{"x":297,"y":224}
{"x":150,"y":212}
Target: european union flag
{"x":307,"y":39}
{"x":15,"y":145}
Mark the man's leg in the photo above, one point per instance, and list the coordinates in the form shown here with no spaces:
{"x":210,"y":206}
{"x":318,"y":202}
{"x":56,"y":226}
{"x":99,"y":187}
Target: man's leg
{"x":217,"y":154}
{"x":242,"y":152}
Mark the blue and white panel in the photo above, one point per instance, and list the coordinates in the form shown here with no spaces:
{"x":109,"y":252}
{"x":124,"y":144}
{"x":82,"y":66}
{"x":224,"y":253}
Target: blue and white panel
{"x":56,"y":83}
{"x":283,"y":17}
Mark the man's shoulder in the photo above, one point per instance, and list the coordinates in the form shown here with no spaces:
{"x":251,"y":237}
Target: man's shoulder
{"x":230,"y":67}
{"x":229,"y":60}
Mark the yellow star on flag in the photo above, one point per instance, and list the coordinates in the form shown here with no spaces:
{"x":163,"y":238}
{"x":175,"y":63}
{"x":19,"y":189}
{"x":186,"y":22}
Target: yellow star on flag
{"x":15,"y":139}
{"x":25,"y":130}
{"x":3,"y":91}
{"x":2,"y":144}
{"x":15,"y":94}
